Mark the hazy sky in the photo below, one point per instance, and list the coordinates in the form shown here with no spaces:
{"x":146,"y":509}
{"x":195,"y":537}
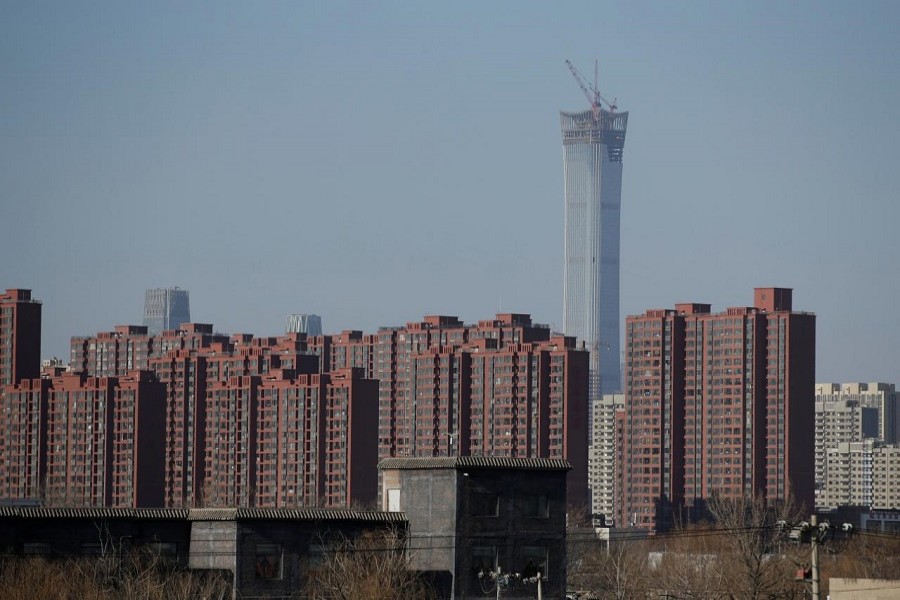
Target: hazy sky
{"x":375,"y":162}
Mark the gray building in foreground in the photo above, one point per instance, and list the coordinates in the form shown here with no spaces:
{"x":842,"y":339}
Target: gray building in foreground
{"x":166,"y":308}
{"x":593,"y":141}
{"x":472,"y":515}
{"x":304,"y":323}
{"x":260,"y":553}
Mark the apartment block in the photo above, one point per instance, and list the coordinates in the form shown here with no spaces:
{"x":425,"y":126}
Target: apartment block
{"x":717,"y":404}
{"x":881,"y":397}
{"x":839,"y":421}
{"x":189,"y":417}
{"x":504,"y":387}
{"x":604,"y":475}
{"x":20,"y":336}
{"x":862,"y":474}
{"x":286,"y":440}
{"x":23,"y":432}
{"x":886,"y":476}
{"x":104,"y":440}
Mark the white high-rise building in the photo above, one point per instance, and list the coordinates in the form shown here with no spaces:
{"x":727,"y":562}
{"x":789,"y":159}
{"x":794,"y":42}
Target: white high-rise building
{"x":881,"y":396}
{"x":593,"y":141}
{"x":856,"y":423}
{"x":862,"y":474}
{"x":603,"y":456}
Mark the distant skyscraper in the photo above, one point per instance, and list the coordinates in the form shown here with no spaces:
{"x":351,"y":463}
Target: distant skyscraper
{"x":593,"y":141}
{"x":308,"y":324}
{"x":166,"y":308}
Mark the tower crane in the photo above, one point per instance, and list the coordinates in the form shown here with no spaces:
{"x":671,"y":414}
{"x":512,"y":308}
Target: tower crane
{"x":591,"y":92}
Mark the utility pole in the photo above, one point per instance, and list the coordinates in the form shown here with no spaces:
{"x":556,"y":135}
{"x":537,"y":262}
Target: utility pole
{"x":815,"y":557}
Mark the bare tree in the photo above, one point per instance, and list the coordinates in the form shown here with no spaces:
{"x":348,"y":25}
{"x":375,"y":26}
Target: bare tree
{"x":757,"y":559}
{"x":137,"y":574}
{"x":372,"y":566}
{"x":691,"y":567}
{"x":618,"y":571}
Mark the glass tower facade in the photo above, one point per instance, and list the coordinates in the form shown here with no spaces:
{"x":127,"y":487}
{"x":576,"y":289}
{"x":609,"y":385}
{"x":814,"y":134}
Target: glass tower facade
{"x":593,"y":141}
{"x":166,"y":308}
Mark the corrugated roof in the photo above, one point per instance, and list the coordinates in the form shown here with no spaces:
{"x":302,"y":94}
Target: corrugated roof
{"x":293,"y":514}
{"x":476,"y":462}
{"x":203,"y":514}
{"x":40,"y":512}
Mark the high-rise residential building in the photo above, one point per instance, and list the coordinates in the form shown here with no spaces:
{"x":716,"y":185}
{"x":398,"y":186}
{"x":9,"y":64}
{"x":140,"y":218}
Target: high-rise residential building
{"x":504,"y":387}
{"x":166,"y":308}
{"x":864,"y":473}
{"x":593,"y":142}
{"x":838,"y":421}
{"x":882,"y":397}
{"x":717,"y":404}
{"x":849,"y":481}
{"x":20,"y":337}
{"x":188,"y":417}
{"x":302,"y":323}
{"x":104,"y":441}
{"x":23,"y":432}
{"x":604,"y":477}
{"x":291,"y":441}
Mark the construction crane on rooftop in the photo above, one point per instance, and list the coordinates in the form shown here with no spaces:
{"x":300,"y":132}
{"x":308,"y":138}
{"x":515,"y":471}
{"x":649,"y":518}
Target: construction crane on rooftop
{"x":591,"y":92}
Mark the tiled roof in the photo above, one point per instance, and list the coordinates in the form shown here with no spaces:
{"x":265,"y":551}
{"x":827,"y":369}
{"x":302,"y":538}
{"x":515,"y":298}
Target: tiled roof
{"x":40,"y":512}
{"x":203,"y":514}
{"x":476,"y":462}
{"x":292,"y":514}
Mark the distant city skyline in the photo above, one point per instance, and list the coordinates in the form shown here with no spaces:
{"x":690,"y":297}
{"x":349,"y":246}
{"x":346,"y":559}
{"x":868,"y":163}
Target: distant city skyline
{"x":388,"y":161}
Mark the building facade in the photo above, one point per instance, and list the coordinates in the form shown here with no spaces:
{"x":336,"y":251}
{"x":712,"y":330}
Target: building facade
{"x":504,"y":387}
{"x":593,"y":143}
{"x":881,"y":397}
{"x":604,"y":466}
{"x":838,"y":421}
{"x":294,"y":420}
{"x":260,"y":553}
{"x":166,"y":308}
{"x":470,"y":516}
{"x":717,"y":404}
{"x":20,"y":336}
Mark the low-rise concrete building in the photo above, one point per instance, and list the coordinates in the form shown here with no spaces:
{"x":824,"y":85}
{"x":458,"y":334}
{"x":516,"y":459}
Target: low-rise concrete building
{"x":471,"y":517}
{"x":265,"y":553}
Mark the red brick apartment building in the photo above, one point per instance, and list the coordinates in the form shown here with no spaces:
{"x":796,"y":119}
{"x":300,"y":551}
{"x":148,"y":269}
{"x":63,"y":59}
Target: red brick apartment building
{"x":280,"y":421}
{"x":717,"y":404}
{"x":503,"y":387}
{"x":20,"y":337}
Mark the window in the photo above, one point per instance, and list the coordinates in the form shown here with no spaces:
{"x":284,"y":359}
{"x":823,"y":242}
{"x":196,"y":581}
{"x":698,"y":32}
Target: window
{"x":536,"y":505}
{"x":36,"y":548}
{"x":534,"y":561}
{"x":484,"y":559}
{"x":483,"y":504}
{"x":268,"y":561}
{"x":163,"y":548}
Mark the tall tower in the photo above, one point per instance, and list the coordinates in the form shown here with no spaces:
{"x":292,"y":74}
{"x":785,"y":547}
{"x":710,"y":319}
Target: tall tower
{"x":593,"y":141}
{"x":166,"y":308}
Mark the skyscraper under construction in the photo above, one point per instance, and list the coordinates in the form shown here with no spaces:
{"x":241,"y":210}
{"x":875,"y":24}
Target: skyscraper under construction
{"x":593,"y":141}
